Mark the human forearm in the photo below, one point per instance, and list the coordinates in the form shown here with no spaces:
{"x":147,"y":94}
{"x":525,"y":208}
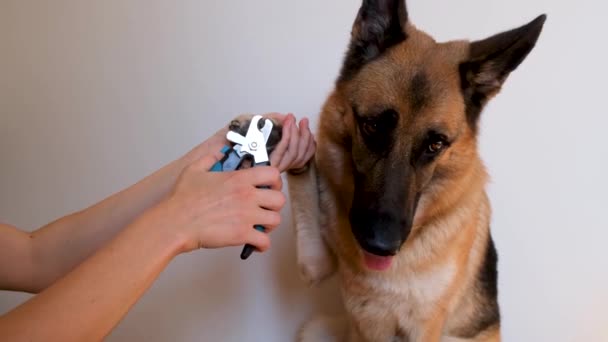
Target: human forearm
{"x":61,"y":245}
{"x":204,"y":210}
{"x":94,"y":286}
{"x":15,"y":260}
{"x":92,"y":298}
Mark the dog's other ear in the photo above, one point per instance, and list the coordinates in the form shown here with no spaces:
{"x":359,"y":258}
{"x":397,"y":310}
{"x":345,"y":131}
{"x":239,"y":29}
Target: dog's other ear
{"x":379,"y":25}
{"x":491,"y":61}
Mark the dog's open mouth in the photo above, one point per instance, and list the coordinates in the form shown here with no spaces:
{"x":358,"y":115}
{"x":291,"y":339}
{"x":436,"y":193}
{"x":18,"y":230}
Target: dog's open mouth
{"x":376,"y":262}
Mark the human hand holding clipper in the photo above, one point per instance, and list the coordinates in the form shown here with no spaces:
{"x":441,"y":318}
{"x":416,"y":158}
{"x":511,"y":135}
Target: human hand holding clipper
{"x":136,"y":232}
{"x":252,"y":145}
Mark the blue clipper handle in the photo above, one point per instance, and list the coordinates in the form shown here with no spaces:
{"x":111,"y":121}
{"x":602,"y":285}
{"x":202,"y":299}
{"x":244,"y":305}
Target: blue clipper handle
{"x":248,"y":249}
{"x":219,"y":166}
{"x":231,"y":162}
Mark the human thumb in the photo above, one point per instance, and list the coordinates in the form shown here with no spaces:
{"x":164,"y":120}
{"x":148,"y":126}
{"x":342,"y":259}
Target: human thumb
{"x":206,"y":162}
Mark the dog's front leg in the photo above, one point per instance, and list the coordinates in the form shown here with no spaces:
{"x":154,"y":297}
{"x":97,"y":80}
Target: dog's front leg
{"x":315,"y":260}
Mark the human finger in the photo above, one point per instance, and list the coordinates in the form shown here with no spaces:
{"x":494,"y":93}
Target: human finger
{"x":279,"y":151}
{"x":305,"y":137}
{"x":262,"y":176}
{"x":292,"y":148}
{"x":270,"y":199}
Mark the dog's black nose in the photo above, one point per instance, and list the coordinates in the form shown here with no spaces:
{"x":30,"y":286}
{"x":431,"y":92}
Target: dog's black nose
{"x":381,"y":247}
{"x":378,"y":233}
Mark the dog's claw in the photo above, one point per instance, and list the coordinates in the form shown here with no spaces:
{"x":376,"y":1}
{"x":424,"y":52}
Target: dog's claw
{"x":235,"y":125}
{"x":240,"y":125}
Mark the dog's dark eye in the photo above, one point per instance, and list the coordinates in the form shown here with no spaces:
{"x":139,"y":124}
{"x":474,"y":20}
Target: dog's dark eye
{"x":432,"y":146}
{"x":380,"y":124}
{"x":377,"y":130}
{"x":436,"y":147}
{"x":370,"y":127}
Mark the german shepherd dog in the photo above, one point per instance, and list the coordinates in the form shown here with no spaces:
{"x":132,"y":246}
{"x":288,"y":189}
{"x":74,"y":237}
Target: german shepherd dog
{"x":394,"y":200}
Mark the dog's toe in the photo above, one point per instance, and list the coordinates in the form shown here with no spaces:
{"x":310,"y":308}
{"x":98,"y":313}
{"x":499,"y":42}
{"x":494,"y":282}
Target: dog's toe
{"x":241,"y":123}
{"x":323,"y":329}
{"x":315,"y":268}
{"x":235,"y":125}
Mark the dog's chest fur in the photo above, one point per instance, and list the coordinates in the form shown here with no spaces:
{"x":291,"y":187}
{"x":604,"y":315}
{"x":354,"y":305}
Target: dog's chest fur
{"x":394,"y":306}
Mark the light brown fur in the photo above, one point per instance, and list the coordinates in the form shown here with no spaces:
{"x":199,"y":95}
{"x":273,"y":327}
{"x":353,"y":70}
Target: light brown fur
{"x":423,"y":291}
{"x":439,"y":286}
{"x":431,"y":292}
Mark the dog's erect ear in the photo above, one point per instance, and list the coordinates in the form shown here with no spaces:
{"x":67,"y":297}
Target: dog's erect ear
{"x":380,"y":24}
{"x":492,"y":60}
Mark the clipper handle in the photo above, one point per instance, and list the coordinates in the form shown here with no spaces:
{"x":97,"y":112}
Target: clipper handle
{"x":219,"y":166}
{"x":248,"y":249}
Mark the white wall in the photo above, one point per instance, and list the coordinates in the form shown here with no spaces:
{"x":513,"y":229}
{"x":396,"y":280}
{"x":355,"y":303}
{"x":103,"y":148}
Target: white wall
{"x":96,"y":94}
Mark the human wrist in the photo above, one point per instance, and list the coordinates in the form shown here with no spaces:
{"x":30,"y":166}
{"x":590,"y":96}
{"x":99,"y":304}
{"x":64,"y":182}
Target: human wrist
{"x":157,"y":224}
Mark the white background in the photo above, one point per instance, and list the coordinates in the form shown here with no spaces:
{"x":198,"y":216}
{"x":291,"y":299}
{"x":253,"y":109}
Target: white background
{"x":94,"y":95}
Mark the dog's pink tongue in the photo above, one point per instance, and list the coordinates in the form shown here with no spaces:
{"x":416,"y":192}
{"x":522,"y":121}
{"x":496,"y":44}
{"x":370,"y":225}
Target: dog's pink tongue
{"x":377,"y":263}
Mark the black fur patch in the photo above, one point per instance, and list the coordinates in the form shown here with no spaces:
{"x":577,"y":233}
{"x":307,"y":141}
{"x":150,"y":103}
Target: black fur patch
{"x":378,"y":27}
{"x":419,"y":91}
{"x":474,"y":101}
{"x":488,"y":313}
{"x":382,"y":139}
{"x":488,"y":277}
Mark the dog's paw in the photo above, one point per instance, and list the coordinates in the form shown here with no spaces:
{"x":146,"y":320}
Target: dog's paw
{"x":241,"y":123}
{"x":323,"y":329}
{"x":316,"y":267}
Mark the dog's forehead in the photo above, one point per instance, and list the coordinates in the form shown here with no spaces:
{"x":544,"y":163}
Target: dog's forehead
{"x":417,"y":78}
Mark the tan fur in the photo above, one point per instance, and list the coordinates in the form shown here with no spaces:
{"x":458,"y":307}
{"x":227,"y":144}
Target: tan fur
{"x":428,"y":291}
{"x":413,"y":250}
{"x":424,"y":206}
